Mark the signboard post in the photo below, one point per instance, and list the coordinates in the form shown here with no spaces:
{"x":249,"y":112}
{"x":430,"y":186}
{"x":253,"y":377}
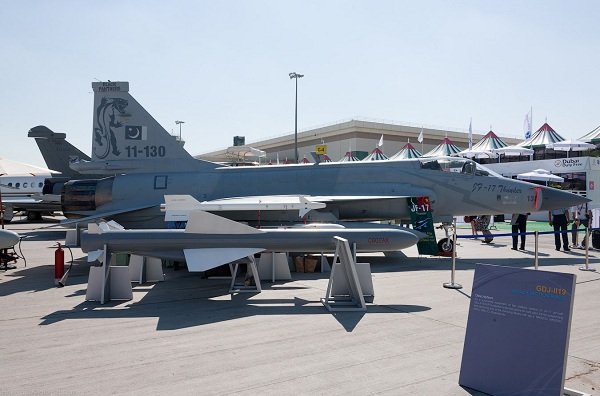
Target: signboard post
{"x":517,"y":334}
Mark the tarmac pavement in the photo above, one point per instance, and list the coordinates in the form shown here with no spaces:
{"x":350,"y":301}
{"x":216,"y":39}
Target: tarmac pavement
{"x":188,"y":335}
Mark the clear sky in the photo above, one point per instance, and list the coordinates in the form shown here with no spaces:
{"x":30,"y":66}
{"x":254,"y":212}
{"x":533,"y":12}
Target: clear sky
{"x":222,"y":66}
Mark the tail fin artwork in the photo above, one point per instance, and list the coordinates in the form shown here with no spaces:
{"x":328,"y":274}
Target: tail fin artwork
{"x":56,"y":150}
{"x":126,"y":138}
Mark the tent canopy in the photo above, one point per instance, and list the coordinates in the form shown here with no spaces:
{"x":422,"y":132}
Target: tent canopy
{"x":540,"y":175}
{"x":591,"y":137}
{"x":542,"y":137}
{"x":445,"y":148}
{"x":570,"y":145}
{"x":475,"y":153}
{"x":407,"y":152}
{"x":349,"y":157}
{"x":513,"y":151}
{"x":489,"y":142}
{"x":376,"y":155}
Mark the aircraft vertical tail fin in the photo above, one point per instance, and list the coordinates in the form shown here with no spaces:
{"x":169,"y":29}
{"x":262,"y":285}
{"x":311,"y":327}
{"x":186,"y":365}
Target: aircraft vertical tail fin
{"x":56,"y":150}
{"x":127,"y":138}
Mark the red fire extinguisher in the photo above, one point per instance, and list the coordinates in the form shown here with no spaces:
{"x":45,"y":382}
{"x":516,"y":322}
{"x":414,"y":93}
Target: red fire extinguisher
{"x":59,"y":264}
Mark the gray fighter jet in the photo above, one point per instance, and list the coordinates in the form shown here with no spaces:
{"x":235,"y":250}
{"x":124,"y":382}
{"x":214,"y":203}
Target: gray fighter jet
{"x":148,"y":163}
{"x":57,"y":151}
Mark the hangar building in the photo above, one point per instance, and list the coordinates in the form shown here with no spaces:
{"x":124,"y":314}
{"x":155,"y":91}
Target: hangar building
{"x":359,"y":136}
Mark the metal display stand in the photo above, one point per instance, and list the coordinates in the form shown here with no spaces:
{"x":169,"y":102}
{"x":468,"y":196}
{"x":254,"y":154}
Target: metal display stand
{"x":145,"y":269}
{"x":363,"y":270}
{"x":347,"y":274}
{"x":275,"y":266}
{"x":251,"y":275}
{"x":324,"y":264}
{"x":108,"y":282}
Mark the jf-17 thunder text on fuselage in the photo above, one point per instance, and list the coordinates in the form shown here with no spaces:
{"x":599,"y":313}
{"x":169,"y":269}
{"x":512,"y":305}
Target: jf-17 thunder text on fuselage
{"x":209,"y":240}
{"x":148,"y":163}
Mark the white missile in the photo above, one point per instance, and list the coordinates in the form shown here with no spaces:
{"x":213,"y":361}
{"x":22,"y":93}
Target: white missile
{"x":178,"y":207}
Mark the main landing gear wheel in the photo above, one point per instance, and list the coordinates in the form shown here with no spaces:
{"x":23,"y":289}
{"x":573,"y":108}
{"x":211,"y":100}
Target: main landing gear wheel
{"x":445,"y":245}
{"x":32,"y":216}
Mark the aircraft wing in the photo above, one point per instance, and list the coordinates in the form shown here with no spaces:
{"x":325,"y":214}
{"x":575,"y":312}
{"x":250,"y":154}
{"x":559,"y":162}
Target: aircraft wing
{"x":106,"y":214}
{"x":199,"y":260}
{"x":30,"y":203}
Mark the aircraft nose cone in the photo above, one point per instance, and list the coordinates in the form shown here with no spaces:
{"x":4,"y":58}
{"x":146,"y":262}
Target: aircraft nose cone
{"x":556,"y":199}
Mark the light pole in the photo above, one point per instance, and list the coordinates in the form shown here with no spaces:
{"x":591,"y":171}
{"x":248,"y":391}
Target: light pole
{"x":179,"y":123}
{"x":296,"y":76}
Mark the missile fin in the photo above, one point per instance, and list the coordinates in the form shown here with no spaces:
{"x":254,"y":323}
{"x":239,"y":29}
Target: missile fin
{"x":94,"y":228}
{"x":113,"y":225}
{"x":201,"y":222}
{"x":199,"y":260}
{"x":178,"y":207}
{"x":95,"y":255}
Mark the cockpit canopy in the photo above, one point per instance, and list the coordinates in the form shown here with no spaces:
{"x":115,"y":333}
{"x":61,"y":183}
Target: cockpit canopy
{"x":456,"y":165}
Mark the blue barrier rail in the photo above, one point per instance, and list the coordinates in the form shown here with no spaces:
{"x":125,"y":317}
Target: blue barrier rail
{"x":530,"y":233}
{"x":588,"y":232}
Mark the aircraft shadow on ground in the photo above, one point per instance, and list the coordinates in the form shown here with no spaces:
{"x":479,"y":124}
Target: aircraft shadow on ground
{"x":195,"y":301}
{"x":195,"y":305}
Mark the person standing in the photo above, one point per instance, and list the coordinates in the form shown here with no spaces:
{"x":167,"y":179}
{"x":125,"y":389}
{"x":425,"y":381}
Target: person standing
{"x":581,"y":215}
{"x":471,"y":220}
{"x":519,"y":226}
{"x":559,"y":219}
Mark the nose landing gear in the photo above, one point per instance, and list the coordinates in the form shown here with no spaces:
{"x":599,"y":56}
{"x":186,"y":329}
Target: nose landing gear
{"x":445,"y":245}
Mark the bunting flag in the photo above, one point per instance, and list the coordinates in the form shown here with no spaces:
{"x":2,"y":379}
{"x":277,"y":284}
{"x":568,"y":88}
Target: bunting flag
{"x":420,"y":138}
{"x":470,"y":134}
{"x":527,"y":125}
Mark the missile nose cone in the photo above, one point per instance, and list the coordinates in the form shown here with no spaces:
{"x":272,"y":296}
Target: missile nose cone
{"x":556,"y":199}
{"x":8,"y":239}
{"x":420,"y":235}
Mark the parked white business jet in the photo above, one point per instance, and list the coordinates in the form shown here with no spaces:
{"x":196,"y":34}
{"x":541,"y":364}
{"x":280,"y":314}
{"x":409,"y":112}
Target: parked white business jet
{"x":23,"y":191}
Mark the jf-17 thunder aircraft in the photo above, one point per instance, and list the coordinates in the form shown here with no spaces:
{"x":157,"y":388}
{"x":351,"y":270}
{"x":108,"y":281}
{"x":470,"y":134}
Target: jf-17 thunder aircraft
{"x":147,"y":163}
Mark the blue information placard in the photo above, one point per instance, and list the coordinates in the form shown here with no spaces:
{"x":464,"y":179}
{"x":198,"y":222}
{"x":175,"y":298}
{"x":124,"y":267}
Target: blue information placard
{"x":518,"y":331}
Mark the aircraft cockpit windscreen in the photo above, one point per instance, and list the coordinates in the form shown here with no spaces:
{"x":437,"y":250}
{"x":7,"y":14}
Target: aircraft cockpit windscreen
{"x":483,"y":171}
{"x":457,"y":165}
